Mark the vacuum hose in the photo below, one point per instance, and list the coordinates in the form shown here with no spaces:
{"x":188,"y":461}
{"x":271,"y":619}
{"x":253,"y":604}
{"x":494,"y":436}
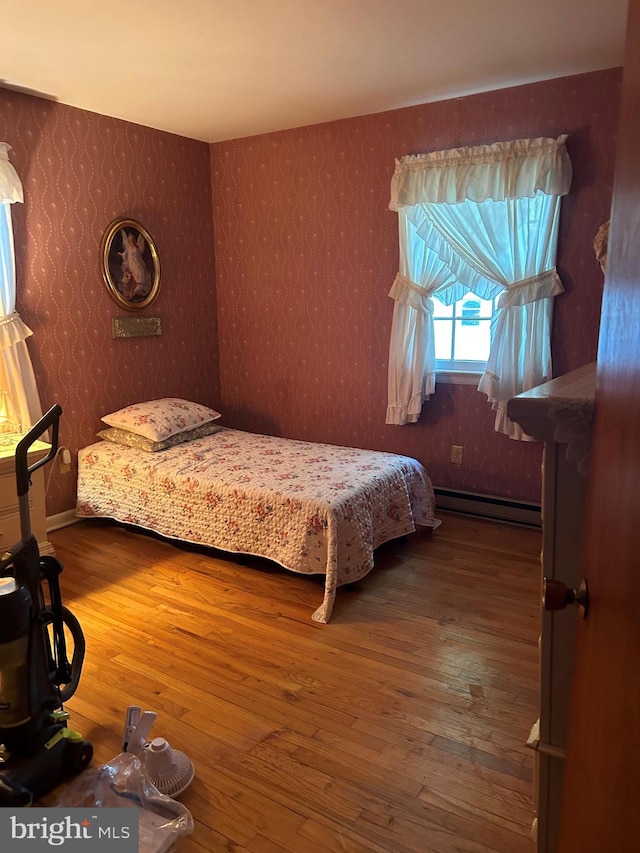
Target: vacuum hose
{"x":67,"y":675}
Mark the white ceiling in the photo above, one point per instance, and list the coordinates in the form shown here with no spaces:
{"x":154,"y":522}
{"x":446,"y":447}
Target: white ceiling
{"x":218,"y":69}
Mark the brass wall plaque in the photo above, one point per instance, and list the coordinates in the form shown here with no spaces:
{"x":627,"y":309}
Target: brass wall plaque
{"x":136,"y":327}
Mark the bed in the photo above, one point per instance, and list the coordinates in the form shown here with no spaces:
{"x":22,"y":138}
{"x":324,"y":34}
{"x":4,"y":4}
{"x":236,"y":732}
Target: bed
{"x":311,"y":508}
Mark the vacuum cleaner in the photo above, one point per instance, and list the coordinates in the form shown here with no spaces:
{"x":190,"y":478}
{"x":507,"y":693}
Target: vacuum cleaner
{"x":37,"y":748}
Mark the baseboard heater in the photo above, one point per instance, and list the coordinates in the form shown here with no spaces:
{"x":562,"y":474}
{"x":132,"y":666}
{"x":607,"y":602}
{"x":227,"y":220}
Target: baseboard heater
{"x":488,"y":506}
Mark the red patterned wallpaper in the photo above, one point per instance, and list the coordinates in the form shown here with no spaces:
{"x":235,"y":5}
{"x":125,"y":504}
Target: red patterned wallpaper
{"x":306,"y":251}
{"x":80,"y":171}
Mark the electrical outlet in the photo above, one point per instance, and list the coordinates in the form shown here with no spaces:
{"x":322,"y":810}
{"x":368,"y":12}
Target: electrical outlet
{"x":456,"y":454}
{"x":65,"y":461}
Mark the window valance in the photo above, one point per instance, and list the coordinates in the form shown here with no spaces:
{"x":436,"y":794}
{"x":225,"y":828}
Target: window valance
{"x":10,"y":183}
{"x":516,"y":169}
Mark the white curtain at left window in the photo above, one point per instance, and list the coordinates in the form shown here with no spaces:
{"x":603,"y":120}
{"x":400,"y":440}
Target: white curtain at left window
{"x":19,"y":399}
{"x":412,"y":377}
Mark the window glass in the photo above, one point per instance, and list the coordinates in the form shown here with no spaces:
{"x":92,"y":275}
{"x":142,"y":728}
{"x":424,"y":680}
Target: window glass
{"x":463,"y":333}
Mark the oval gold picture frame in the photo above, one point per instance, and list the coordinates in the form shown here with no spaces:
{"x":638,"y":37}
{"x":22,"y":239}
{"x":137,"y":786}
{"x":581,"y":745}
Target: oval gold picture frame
{"x":130,"y":264}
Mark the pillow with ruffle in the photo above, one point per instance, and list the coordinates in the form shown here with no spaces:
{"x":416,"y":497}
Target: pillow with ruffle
{"x":158,"y":420}
{"x":132,"y":439}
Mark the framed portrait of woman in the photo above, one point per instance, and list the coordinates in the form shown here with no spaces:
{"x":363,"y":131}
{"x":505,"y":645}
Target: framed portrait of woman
{"x":130,"y":264}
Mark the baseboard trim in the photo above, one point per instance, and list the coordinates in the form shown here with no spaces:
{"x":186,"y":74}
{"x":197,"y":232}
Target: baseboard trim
{"x":489,"y":506}
{"x":62,"y":519}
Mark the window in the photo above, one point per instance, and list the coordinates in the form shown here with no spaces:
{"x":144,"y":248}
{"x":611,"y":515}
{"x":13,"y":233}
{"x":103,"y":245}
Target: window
{"x":462,"y":333}
{"x":478,"y":230}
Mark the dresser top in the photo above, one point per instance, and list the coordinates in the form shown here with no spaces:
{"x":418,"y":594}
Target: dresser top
{"x":580,"y":384}
{"x":560,"y":411}
{"x":9,"y":442}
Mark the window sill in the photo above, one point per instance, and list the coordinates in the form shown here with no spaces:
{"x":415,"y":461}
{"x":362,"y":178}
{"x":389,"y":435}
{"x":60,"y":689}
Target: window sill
{"x":458,"y":377}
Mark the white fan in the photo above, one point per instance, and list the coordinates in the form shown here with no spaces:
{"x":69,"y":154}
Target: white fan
{"x":169,"y":770}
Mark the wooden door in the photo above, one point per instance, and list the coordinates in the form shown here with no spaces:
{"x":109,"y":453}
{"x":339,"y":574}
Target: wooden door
{"x":601,"y":805}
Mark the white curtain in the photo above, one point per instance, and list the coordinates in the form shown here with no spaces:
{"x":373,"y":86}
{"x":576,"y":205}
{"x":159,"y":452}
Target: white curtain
{"x":490,"y":214}
{"x":412,"y":359}
{"x":19,"y":399}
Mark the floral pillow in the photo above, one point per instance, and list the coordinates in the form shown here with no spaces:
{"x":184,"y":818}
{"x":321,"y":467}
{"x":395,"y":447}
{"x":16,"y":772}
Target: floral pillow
{"x":158,"y":420}
{"x":132,"y":439}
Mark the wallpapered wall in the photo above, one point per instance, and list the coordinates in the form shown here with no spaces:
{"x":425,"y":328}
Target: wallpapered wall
{"x":80,"y":171}
{"x":307,"y":250}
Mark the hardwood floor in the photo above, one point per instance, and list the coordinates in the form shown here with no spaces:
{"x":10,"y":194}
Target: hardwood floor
{"x":399,"y":726}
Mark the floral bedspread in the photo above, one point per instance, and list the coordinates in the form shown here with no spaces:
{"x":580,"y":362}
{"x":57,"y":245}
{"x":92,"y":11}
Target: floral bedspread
{"x":312,"y":508}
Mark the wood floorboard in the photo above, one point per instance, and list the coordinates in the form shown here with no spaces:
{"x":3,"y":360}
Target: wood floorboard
{"x":399,"y":727}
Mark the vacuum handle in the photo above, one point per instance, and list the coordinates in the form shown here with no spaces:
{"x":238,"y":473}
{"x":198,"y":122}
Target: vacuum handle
{"x":51,"y":569}
{"x":75,"y":667}
{"x":23,"y":471}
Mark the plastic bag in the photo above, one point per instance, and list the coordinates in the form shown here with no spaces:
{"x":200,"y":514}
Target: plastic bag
{"x":122,"y":783}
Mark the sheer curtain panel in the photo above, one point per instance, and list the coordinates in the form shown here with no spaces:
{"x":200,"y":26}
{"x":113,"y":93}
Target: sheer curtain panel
{"x":490,"y":214}
{"x":19,"y":399}
{"x":412,"y":376}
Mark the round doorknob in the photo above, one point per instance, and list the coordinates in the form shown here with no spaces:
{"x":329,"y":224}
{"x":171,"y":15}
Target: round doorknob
{"x":556,"y":595}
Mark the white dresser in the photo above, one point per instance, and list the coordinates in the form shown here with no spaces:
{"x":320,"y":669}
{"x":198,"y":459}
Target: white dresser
{"x":559,"y":413}
{"x":9,"y":510}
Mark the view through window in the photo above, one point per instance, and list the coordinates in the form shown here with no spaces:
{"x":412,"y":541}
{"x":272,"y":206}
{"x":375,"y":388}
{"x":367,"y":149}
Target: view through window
{"x":463,"y":333}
